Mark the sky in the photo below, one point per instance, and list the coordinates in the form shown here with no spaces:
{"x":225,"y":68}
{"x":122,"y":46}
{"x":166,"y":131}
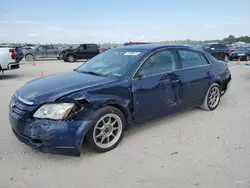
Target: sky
{"x":119,"y":21}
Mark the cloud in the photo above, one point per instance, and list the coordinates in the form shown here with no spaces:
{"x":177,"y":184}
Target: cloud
{"x":210,"y":26}
{"x":18,"y":21}
{"x":140,"y":38}
{"x":2,"y":35}
{"x":24,"y":22}
{"x":32,"y":35}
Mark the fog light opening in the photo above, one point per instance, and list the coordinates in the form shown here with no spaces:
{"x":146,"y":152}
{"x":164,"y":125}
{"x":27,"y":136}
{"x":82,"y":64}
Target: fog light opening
{"x":37,"y":141}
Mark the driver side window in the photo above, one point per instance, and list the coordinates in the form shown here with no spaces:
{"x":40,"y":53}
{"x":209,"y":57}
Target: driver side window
{"x":159,"y":62}
{"x":41,"y":48}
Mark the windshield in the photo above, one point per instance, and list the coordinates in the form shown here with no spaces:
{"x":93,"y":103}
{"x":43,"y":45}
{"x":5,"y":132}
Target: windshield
{"x":114,"y":62}
{"x":243,"y":48}
{"x":75,"y":46}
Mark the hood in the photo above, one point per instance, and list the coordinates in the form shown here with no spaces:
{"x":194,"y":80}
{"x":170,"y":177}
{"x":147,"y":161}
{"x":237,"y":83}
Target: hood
{"x":241,"y":51}
{"x":50,"y":88}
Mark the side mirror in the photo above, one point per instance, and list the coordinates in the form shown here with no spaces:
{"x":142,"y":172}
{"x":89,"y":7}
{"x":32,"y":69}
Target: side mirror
{"x":138,"y":76}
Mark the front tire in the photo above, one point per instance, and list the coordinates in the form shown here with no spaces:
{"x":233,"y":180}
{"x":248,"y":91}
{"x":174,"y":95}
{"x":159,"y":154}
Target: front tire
{"x":71,"y":58}
{"x":212,"y":98}
{"x":108,"y":129}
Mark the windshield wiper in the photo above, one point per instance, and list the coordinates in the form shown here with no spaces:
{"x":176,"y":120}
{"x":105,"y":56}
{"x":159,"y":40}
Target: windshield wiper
{"x":93,"y":73}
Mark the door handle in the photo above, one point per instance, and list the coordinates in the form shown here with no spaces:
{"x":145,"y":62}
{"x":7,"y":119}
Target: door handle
{"x":208,"y":73}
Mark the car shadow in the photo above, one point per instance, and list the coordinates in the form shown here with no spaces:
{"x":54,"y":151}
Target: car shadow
{"x":11,"y":76}
{"x":133,"y":130}
{"x":88,"y":152}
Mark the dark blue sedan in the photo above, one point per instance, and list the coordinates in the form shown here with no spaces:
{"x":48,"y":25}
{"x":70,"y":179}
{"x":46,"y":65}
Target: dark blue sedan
{"x":123,"y":86}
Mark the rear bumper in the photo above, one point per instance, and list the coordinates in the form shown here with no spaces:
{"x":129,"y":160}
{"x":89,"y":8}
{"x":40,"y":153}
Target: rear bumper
{"x":227,"y":84}
{"x":11,"y":66}
{"x":235,"y":57}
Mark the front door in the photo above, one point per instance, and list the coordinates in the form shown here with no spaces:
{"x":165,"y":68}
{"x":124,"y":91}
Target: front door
{"x":156,"y":88}
{"x":40,"y":52}
{"x":81,"y":52}
{"x":195,"y":73}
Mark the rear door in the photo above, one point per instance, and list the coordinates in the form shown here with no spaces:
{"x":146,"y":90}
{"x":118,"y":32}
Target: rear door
{"x":51,"y":51}
{"x":156,"y":88}
{"x":92,"y":50}
{"x":195,"y":74}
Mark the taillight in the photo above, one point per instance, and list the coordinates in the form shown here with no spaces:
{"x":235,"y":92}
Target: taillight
{"x":13,"y":55}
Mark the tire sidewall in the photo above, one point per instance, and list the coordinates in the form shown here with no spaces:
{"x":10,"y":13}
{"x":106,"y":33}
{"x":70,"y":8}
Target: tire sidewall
{"x":226,"y":59}
{"x":213,"y":86}
{"x":29,"y":55}
{"x":68,"y":58}
{"x":205,"y":105}
{"x":95,"y":117}
{"x":60,"y":56}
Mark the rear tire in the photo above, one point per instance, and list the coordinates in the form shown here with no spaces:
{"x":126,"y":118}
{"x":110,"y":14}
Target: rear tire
{"x":226,"y":59}
{"x":107,"y":130}
{"x":29,"y":57}
{"x":60,"y":56}
{"x":212,"y":98}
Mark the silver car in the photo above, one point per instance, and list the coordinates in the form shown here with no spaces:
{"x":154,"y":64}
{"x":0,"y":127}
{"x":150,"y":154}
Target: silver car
{"x":43,"y":51}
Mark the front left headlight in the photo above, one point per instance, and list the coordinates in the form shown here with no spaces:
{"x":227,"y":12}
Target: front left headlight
{"x":54,"y":111}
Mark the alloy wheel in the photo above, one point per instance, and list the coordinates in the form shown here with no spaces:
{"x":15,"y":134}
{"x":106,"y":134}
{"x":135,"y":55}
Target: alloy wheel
{"x":107,"y":131}
{"x":214,"y":97}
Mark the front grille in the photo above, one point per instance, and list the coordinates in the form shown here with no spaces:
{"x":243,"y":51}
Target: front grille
{"x":19,"y":109}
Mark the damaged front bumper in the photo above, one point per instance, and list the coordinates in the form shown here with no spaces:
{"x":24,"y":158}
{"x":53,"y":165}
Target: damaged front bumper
{"x":48,"y":136}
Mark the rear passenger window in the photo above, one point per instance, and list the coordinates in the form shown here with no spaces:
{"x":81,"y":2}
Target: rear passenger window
{"x":218,"y":46}
{"x":191,"y":59}
{"x":92,"y":47}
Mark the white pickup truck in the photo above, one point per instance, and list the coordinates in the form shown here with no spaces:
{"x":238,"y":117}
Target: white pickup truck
{"x":8,"y":59}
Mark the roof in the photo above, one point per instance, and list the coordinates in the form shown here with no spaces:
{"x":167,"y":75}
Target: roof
{"x":153,"y":46}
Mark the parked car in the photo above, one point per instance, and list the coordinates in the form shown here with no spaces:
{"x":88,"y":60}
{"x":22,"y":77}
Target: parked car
{"x":120,"y":87}
{"x":241,"y":53}
{"x":18,"y":51}
{"x":43,"y":51}
{"x":80,"y":51}
{"x":8,"y":59}
{"x":231,"y":48}
{"x":25,"y":49}
{"x":219,"y":51}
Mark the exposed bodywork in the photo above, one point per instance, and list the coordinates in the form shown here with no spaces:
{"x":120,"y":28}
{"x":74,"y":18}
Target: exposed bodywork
{"x":138,"y":99}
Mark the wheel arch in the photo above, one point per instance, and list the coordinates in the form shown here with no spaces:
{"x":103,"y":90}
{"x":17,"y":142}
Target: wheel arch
{"x":72,"y":54}
{"x":124,"y":110}
{"x":29,"y":54}
{"x":218,"y":82}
